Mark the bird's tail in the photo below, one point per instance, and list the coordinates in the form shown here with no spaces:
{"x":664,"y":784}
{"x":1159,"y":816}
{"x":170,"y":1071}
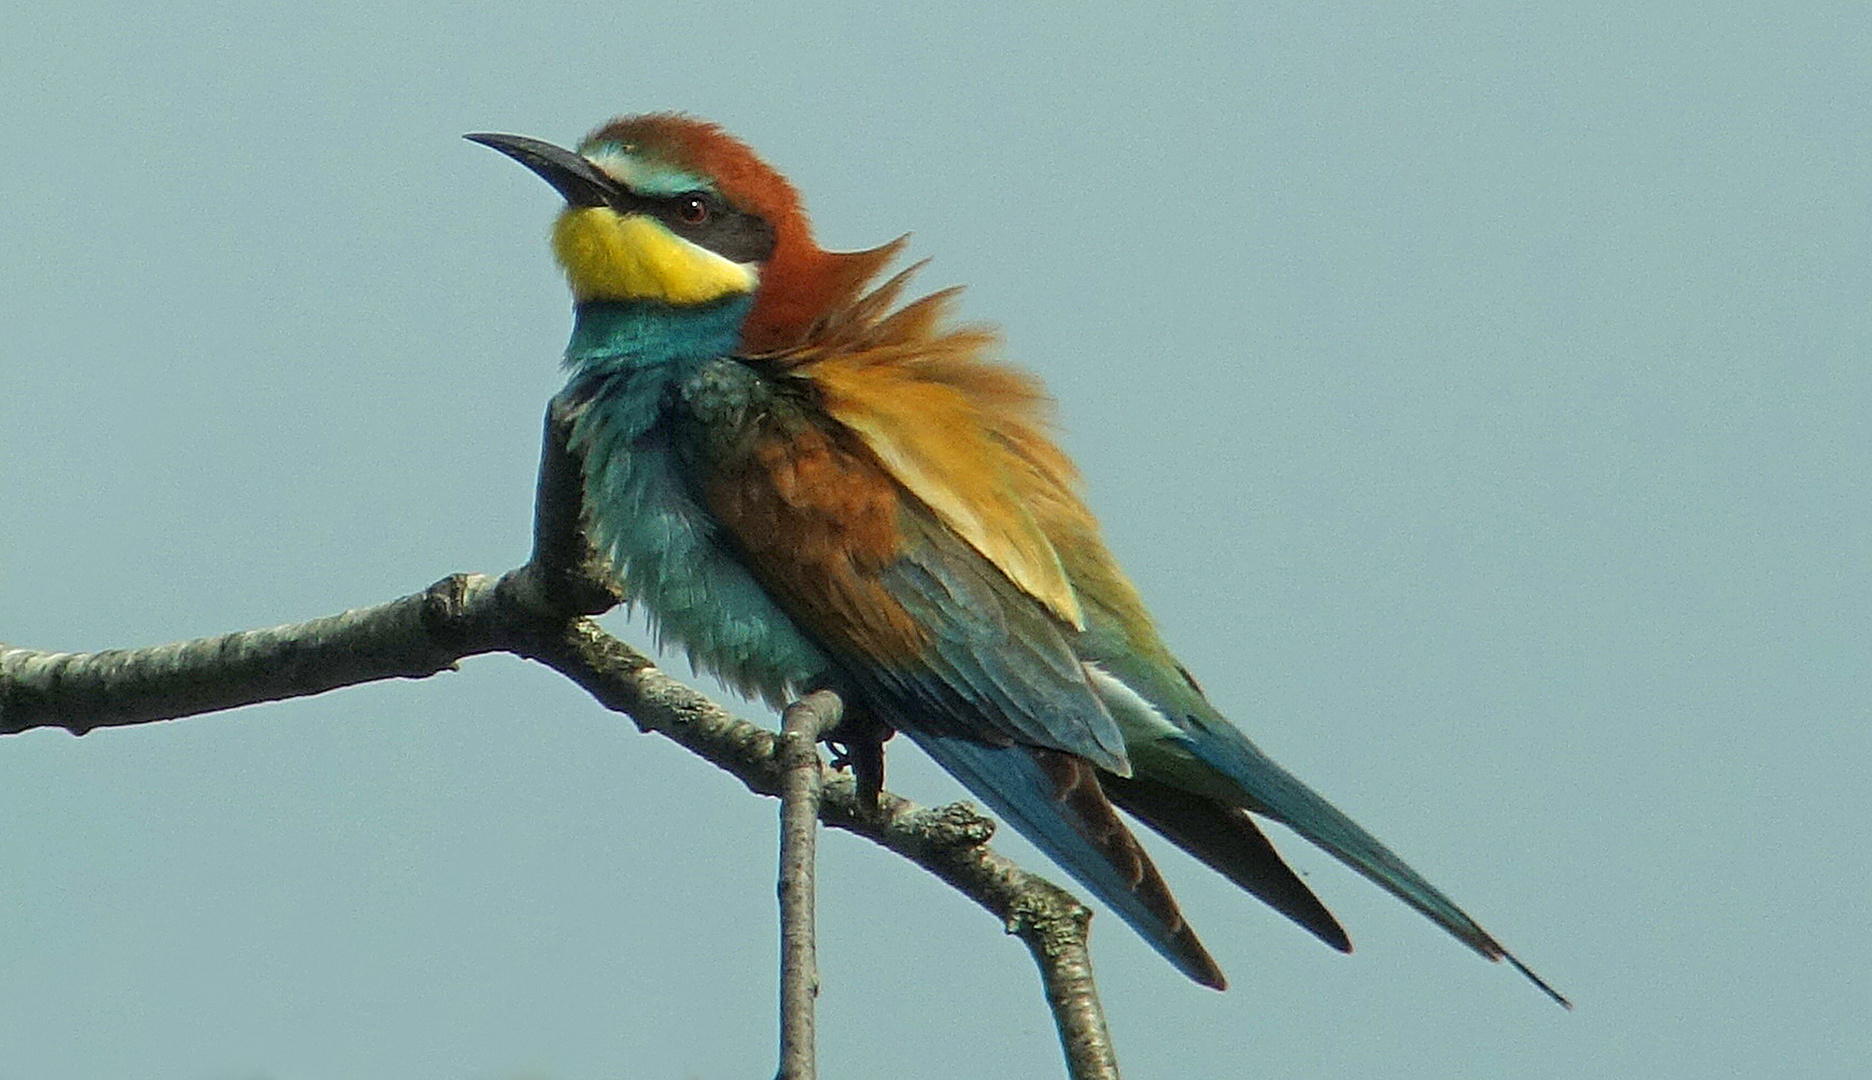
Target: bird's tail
{"x":1055,"y":800}
{"x":1276,"y":793}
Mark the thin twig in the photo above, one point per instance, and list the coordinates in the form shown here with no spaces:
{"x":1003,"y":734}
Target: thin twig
{"x":801,"y":726}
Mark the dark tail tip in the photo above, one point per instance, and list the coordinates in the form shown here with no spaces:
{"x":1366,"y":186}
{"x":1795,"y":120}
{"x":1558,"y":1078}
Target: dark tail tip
{"x":1558,"y":997}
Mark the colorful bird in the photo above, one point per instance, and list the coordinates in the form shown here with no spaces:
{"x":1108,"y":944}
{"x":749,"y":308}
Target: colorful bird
{"x":808,"y":484}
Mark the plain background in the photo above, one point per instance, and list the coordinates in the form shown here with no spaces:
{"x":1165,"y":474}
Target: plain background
{"x":1481,"y":400}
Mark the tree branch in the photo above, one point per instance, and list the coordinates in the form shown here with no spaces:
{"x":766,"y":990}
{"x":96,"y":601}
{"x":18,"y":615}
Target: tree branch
{"x":801,"y":726}
{"x":537,"y":611}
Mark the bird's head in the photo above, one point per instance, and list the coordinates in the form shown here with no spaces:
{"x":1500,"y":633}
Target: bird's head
{"x":668,"y":209}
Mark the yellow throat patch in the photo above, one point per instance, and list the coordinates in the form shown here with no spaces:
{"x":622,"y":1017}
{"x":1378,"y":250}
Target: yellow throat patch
{"x":612,"y":256}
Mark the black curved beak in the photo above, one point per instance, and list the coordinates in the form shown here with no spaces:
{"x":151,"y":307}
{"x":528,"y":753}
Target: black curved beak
{"x":570,"y":175}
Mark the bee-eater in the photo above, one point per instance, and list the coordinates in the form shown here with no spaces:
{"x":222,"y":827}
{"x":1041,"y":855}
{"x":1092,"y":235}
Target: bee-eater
{"x":808,"y":484}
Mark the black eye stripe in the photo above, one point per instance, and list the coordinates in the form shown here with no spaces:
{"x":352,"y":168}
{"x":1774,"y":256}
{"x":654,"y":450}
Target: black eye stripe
{"x":735,"y":235}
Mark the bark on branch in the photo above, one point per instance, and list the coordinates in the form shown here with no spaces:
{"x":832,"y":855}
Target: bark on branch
{"x":802,"y":780}
{"x":540,"y":611}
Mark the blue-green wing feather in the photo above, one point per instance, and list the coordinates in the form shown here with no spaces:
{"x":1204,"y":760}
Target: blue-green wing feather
{"x":1000,"y":700}
{"x":999,"y":667}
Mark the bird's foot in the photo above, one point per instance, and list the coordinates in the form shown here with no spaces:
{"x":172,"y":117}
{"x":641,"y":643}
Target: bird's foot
{"x":858,"y":744}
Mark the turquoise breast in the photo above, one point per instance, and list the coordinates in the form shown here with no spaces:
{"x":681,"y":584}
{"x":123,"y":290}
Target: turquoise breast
{"x":634,"y":367}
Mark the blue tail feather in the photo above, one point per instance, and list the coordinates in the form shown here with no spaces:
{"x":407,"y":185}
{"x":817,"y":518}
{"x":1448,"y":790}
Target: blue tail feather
{"x":1274,"y":792}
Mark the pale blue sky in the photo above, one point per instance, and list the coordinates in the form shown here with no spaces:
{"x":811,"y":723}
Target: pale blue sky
{"x":1480,"y":399}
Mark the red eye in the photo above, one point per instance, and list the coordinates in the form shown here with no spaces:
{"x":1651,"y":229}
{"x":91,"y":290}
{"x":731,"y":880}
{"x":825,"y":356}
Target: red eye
{"x":693,"y":209}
